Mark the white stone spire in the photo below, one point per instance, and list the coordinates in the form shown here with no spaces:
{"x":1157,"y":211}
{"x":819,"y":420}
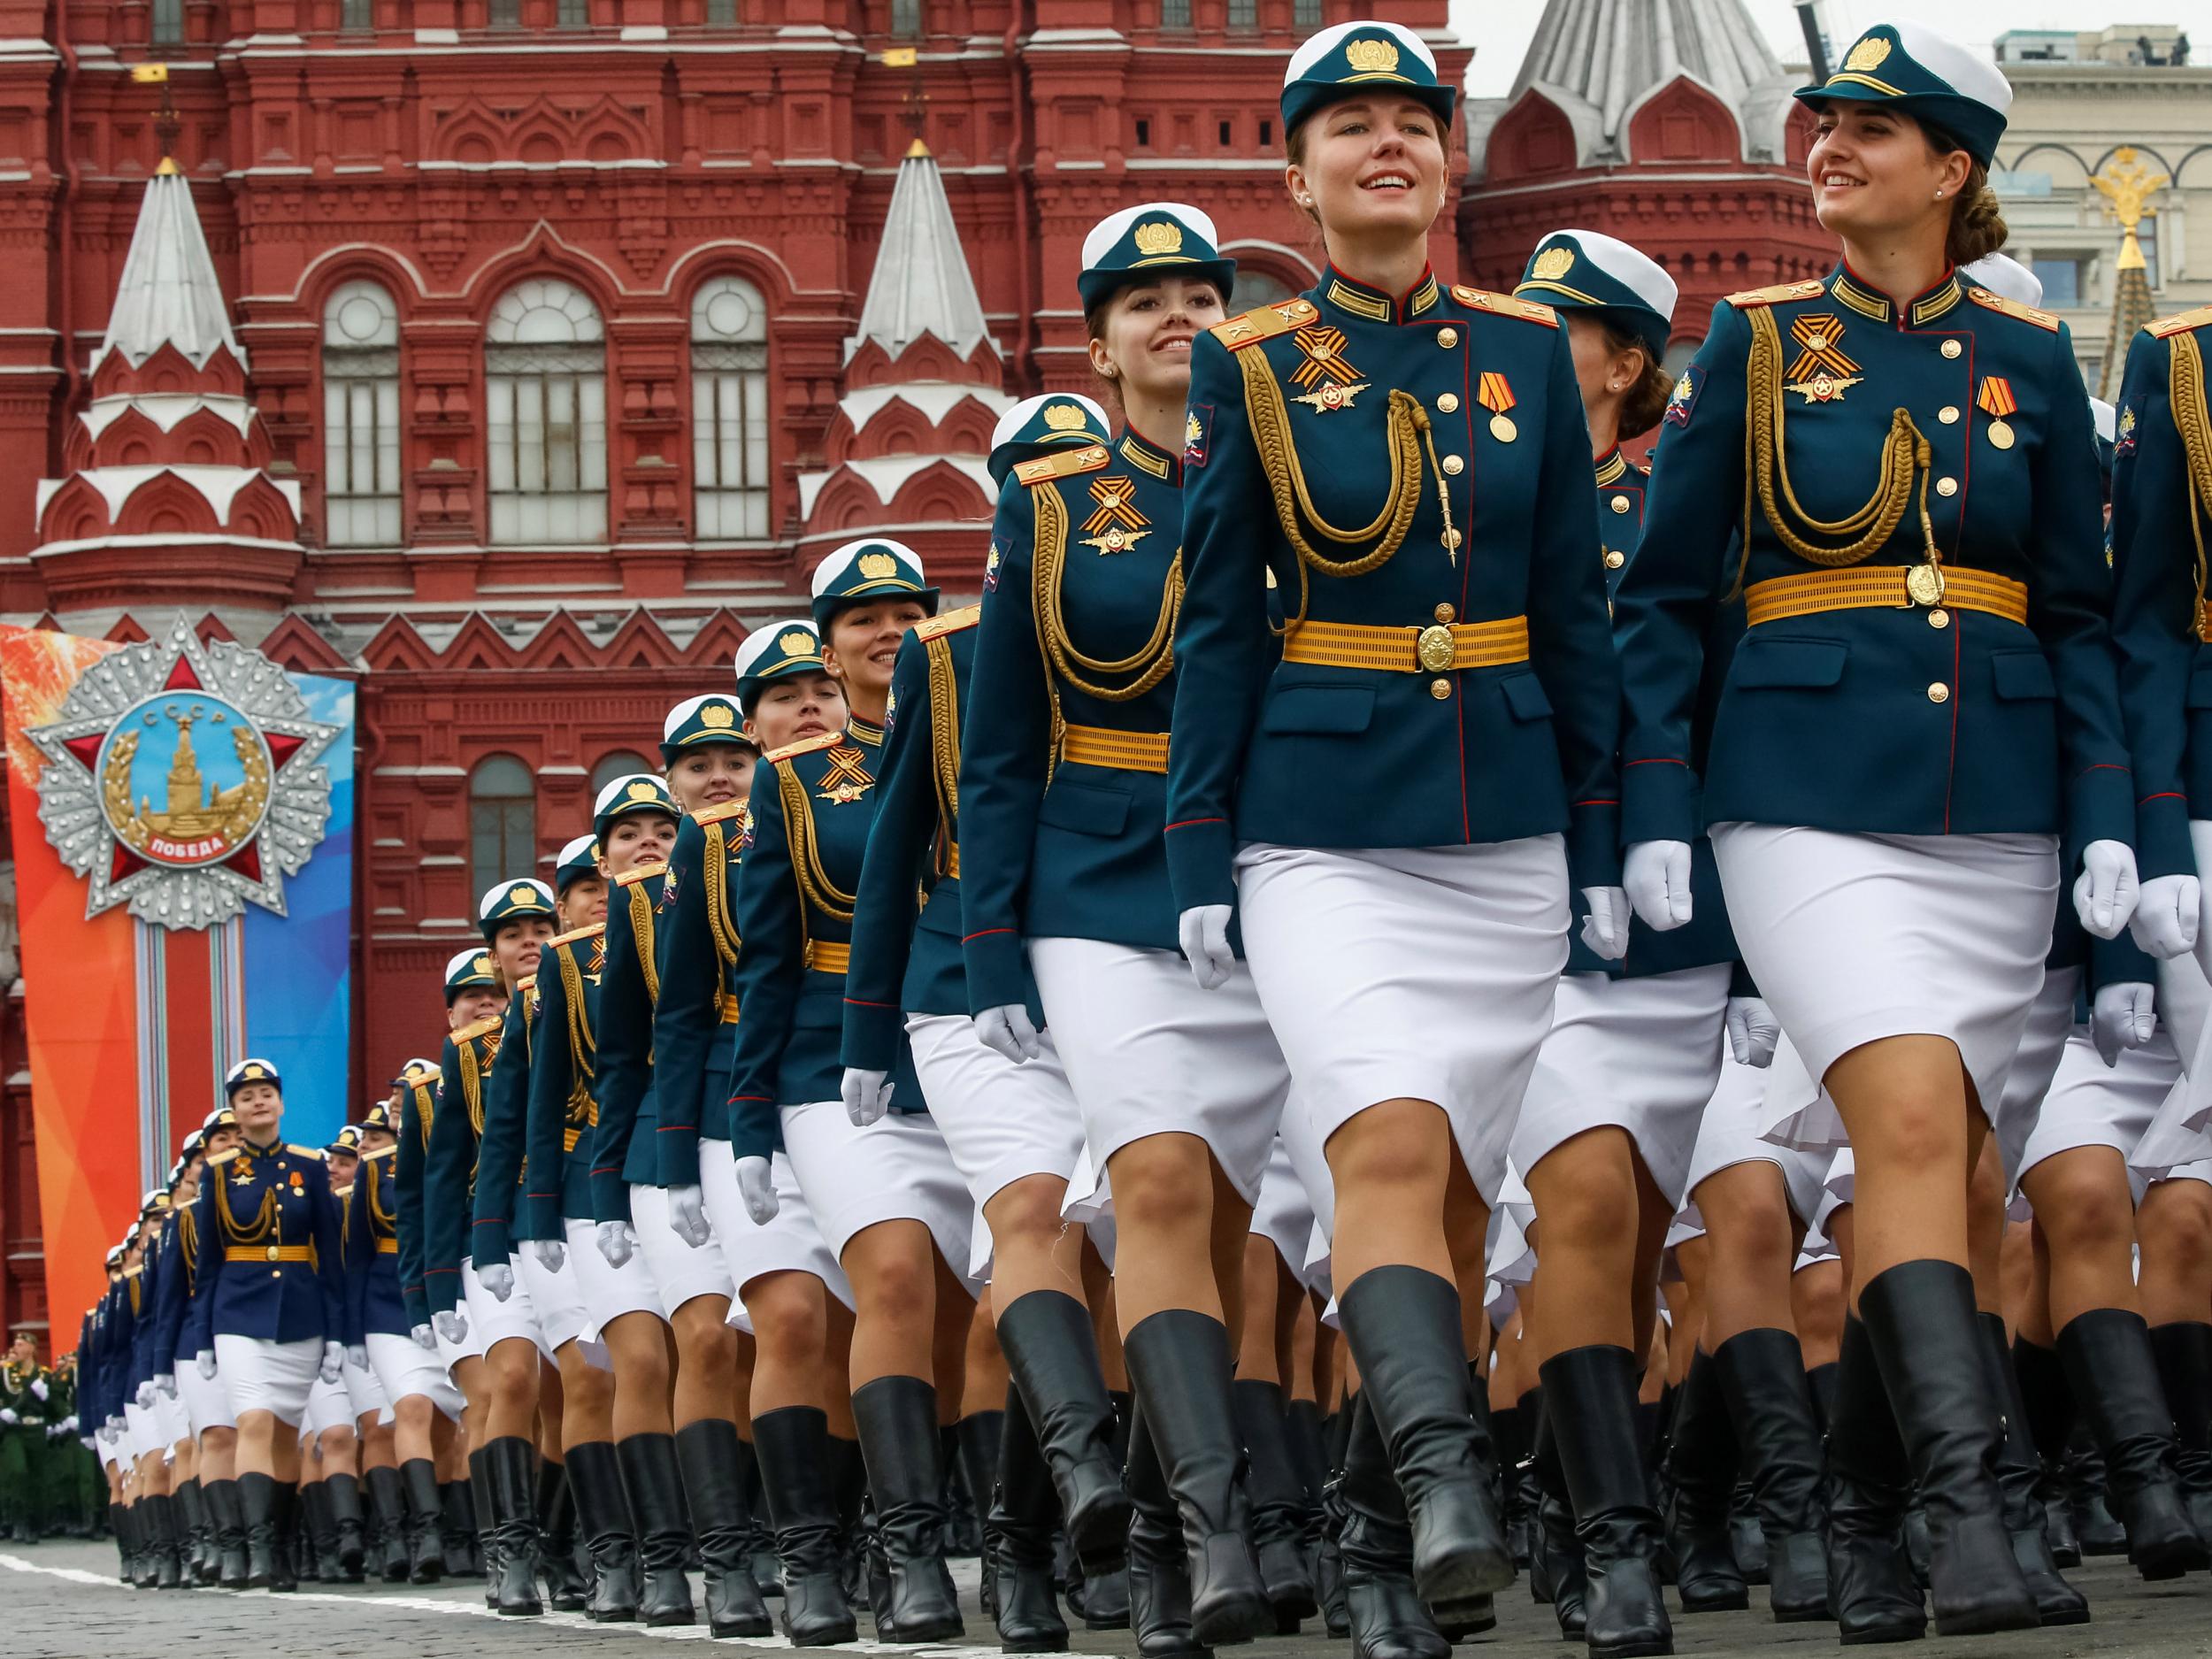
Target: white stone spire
{"x":922,"y":284}
{"x":169,"y":294}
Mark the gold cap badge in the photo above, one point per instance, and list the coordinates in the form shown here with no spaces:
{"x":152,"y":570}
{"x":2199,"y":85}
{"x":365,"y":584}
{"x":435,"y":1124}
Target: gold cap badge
{"x":797,"y":644}
{"x":877,"y":567}
{"x":484,"y":966}
{"x":1158,"y":237}
{"x":1868,"y":54}
{"x":1552,"y":263}
{"x":1063,"y":417}
{"x":523,"y":894}
{"x":252,"y":1074}
{"x":1371,"y":56}
{"x":642,"y":791}
{"x":716,"y":714}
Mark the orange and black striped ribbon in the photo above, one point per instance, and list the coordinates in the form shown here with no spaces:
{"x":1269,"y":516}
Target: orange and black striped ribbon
{"x":1116,"y":505}
{"x":1324,"y":355}
{"x":1818,"y":337}
{"x":1996,"y":397}
{"x":1495,"y":392}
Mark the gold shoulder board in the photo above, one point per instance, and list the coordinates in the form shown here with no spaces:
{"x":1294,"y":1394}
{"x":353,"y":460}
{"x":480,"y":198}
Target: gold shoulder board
{"x":951,"y":622}
{"x":381,"y":1152}
{"x":222,"y":1157}
{"x":630,"y":878}
{"x":1751,"y":298}
{"x":1988,"y":301}
{"x":1506,"y":305}
{"x":1066,"y":464}
{"x":805,"y":746}
{"x":523,"y":987}
{"x":315,"y":1153}
{"x":483,"y":1027}
{"x":343,"y":1192}
{"x":569,"y":938}
{"x":1264,"y":322}
{"x":2167,"y":326}
{"x":718,"y":814}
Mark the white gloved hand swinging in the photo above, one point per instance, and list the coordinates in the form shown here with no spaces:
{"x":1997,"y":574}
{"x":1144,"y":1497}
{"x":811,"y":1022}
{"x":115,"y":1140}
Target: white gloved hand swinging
{"x":1203,"y":932}
{"x":498,"y":1277}
{"x":1009,"y":1030}
{"x":1657,"y":876}
{"x":333,"y":1365}
{"x":867,"y":1095}
{"x":203,"y":1362}
{"x":453,"y":1324}
{"x":2166,"y":915}
{"x":688,"y":1216}
{"x":616,"y":1242}
{"x":757,"y":1185}
{"x":2106,"y":892}
{"x":2122,"y":1017}
{"x":1753,"y":1031}
{"x":551,"y":1254}
{"x":1605,"y":922}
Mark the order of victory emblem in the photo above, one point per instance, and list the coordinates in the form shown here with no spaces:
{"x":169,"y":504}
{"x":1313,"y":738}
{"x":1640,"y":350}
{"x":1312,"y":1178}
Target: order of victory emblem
{"x":180,"y":781}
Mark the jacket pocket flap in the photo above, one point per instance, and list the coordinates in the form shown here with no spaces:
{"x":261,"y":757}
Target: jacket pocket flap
{"x":1084,"y":808}
{"x":1524,"y":695}
{"x":2021,"y":676}
{"x":1790,"y":662}
{"x":1320,"y":708}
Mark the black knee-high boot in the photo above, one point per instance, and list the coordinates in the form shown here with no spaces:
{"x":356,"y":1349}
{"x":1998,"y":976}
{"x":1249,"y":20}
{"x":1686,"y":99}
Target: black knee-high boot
{"x":1159,"y":1569}
{"x":457,"y":1529}
{"x":226,"y":1517}
{"x":976,"y":1442}
{"x":1875,"y":1596}
{"x":2115,"y":1375}
{"x":511,"y":1475}
{"x":602,"y":1512}
{"x":1308,"y":1454}
{"x":1510,"y":1440}
{"x":2018,"y":1474}
{"x":426,"y":1520}
{"x":258,"y":1494}
{"x":1557,"y":1547}
{"x":345,"y":1524}
{"x":1403,"y":1324}
{"x":793,"y":1446}
{"x":1387,"y":1619}
{"x":651,"y":1476}
{"x":897,"y":1420}
{"x":1702,"y":1472}
{"x":2049,"y":1403}
{"x":168,"y":1559}
{"x":319,"y":1529}
{"x":1180,"y":1363}
{"x":2185,"y":1368}
{"x":1277,"y":1499}
{"x":191,"y":1530}
{"x":1762,"y":1373}
{"x":484,"y":1537}
{"x":566,"y":1589}
{"x":1052,"y":1356}
{"x":760,"y":1541}
{"x":714,"y":1488}
{"x":387,"y":1497}
{"x":1592,"y":1394}
{"x":1018,"y":1537}
{"x":1920,"y":1316}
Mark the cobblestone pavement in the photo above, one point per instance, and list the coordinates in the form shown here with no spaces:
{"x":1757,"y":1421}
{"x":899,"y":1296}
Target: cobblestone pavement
{"x":59,"y":1600}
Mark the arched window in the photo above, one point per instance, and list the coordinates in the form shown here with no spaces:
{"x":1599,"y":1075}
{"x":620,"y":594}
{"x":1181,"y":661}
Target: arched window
{"x":545,"y":384}
{"x":729,"y":410}
{"x":1257,"y":288}
{"x":621,"y":763}
{"x":502,"y":822}
{"x":360,"y":417}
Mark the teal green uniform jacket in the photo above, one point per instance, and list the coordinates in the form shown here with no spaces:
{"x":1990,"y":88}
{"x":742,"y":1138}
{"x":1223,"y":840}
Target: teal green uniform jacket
{"x":1479,"y":391}
{"x":1071,"y":846}
{"x":622,"y":1149}
{"x":813,"y":803}
{"x":563,"y":1062}
{"x":449,"y":1164}
{"x":498,"y":1188}
{"x":1899,"y":720}
{"x":698,"y":999}
{"x":2161,"y":520}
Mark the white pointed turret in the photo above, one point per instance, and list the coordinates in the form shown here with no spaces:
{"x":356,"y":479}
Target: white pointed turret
{"x":922,"y":284}
{"x":169,"y":294}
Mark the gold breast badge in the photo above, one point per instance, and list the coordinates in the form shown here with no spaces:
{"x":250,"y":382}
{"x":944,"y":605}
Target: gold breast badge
{"x":846,"y":778}
{"x":1327,"y":374}
{"x":1117,"y":525}
{"x":1996,"y":401}
{"x":1822,"y":370}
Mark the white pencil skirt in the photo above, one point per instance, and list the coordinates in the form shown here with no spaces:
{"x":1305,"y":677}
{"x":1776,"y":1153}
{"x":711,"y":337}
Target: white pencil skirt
{"x":405,"y":1368}
{"x":1854,"y":938}
{"x":1642,"y":1054}
{"x":1148,"y":1053}
{"x":1410,"y":973}
{"x":895,"y":1169}
{"x":1001,"y":1121}
{"x":790,"y":1243}
{"x":2089,"y":1105}
{"x":1301,"y":1140}
{"x":364,"y":1393}
{"x":492,"y":1321}
{"x":141,"y":1430}
{"x":1730,"y":1135}
{"x":206,"y":1401}
{"x":2034,"y":1068}
{"x":1284,"y":1216}
{"x":272,"y":1377}
{"x":557,"y":1295}
{"x":328,"y":1407}
{"x":608,"y":1292}
{"x":681,"y":1270}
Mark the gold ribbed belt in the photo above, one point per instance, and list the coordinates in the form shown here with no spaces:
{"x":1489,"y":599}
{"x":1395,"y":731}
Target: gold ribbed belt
{"x":1885,"y":586}
{"x":271,"y":1252}
{"x":569,"y":1138}
{"x":1124,"y":751}
{"x":388,"y":1247}
{"x":826,"y":955}
{"x":1408,"y":651}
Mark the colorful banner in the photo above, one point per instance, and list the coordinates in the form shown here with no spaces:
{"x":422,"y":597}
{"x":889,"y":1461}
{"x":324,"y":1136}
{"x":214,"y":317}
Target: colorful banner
{"x":135,"y":1003}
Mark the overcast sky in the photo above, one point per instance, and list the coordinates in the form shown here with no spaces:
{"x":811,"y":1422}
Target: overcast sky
{"x":1500,"y":33}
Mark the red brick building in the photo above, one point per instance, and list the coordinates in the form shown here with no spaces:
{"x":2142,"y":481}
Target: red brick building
{"x":567,"y":334}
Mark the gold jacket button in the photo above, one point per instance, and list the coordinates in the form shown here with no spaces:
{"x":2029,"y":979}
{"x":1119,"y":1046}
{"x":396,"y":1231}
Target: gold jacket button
{"x":1948,"y":414}
{"x":1448,"y":336}
{"x":1445,"y":613}
{"x":1946,"y":487}
{"x":1939,"y":619}
{"x":1951,"y":347}
{"x":1440,"y":689}
{"x":1449,"y":403}
{"x":1938,"y":693}
{"x":1620,"y":503}
{"x":1454,"y":465}
{"x":1615,"y":558}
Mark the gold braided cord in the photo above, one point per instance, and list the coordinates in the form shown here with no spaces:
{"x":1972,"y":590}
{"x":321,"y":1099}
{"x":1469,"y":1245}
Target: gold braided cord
{"x":1151,"y":662}
{"x":426,"y":1109}
{"x":1905,"y":452}
{"x":944,"y":725}
{"x":582,"y":1050}
{"x":473,"y":1085}
{"x":188,"y":1241}
{"x":815,"y":886}
{"x":386,"y":1221}
{"x":642,"y":930}
{"x":258,"y":1231}
{"x":720,"y":922}
{"x":2184,"y":389}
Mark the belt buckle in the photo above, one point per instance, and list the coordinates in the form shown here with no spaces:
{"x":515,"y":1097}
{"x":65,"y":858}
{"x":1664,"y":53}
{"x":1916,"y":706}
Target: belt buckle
{"x":274,"y":1254}
{"x":1435,"y":648}
{"x":1923,"y":584}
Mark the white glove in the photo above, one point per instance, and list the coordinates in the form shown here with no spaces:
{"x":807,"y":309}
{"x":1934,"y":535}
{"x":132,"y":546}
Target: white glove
{"x":203,"y":1362}
{"x":2165,"y":919}
{"x":69,"y":1424}
{"x":38,"y":1387}
{"x":617,"y":1244}
{"x":453,"y":1324}
{"x":2123,"y":1017}
{"x":1753,"y":1031}
{"x":1657,"y":876}
{"x":868,"y":1094}
{"x":550,"y":1254}
{"x":167,"y":1383}
{"x":1605,"y":928}
{"x":498,"y":1277}
{"x":2106,"y":892}
{"x":423,"y":1337}
{"x":688,"y":1216}
{"x":145,"y":1398}
{"x":8,"y":1416}
{"x":1007,"y":1031}
{"x":333,"y":1365}
{"x":357,"y":1356}
{"x":757,"y":1185}
{"x":1203,"y":932}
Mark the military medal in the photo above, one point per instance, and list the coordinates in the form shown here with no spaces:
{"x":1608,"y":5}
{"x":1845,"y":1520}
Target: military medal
{"x":1117,"y":525}
{"x":1495,"y":394}
{"x":1330,"y":380}
{"x":1821,"y":372}
{"x":1923,"y":584}
{"x":1996,"y":401}
{"x":847,"y":779}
